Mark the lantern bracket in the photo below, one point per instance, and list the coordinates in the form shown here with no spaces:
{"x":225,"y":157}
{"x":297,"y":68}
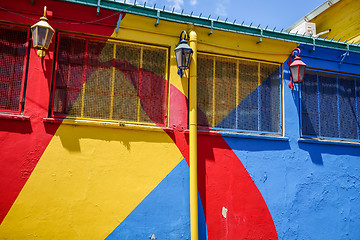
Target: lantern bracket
{"x":345,"y":54}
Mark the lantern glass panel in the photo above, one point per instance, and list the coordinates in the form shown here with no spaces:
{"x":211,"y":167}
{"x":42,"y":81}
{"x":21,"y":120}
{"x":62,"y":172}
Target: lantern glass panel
{"x":187,"y":57}
{"x":35,"y":36}
{"x":48,"y":39}
{"x":42,"y":35}
{"x":301,"y":72}
{"x":178,"y":55}
{"x":295,"y":73}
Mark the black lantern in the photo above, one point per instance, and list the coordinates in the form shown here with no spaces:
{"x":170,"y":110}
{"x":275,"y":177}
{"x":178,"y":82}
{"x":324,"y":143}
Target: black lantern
{"x":297,"y":69}
{"x":183,"y":53}
{"x":42,"y":34}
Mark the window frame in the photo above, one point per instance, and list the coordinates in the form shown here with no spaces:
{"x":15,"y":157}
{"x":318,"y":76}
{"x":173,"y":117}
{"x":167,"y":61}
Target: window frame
{"x":356,"y":78}
{"x":112,"y":41}
{"x":24,"y":76}
{"x":280,"y":107}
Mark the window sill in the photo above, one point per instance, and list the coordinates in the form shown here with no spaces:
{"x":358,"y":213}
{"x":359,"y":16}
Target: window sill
{"x":106,"y":124}
{"x":329,"y":142}
{"x":17,"y":117}
{"x":242,"y":135}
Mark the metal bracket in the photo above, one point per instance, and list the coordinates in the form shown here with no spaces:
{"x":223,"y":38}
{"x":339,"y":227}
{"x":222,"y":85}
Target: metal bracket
{"x":157,"y":18}
{"x":212,"y":28}
{"x":118,"y":23}
{"x":313,"y":49}
{"x":345,"y":54}
{"x":98,"y":8}
{"x":261,"y":35}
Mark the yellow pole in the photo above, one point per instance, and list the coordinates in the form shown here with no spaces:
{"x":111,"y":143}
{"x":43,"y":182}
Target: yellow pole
{"x":193,"y":139}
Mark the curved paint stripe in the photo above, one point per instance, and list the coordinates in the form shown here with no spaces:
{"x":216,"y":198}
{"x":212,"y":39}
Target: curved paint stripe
{"x":165,"y":211}
{"x":88,"y":181}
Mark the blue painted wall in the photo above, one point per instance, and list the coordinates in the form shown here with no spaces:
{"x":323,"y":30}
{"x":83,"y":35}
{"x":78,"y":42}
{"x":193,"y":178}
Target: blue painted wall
{"x":312,"y":189}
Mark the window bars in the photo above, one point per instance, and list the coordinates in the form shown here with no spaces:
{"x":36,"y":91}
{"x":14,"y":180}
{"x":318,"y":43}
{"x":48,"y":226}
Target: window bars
{"x":14,"y":44}
{"x":330,"y":105}
{"x":238,"y":94}
{"x":110,"y":80}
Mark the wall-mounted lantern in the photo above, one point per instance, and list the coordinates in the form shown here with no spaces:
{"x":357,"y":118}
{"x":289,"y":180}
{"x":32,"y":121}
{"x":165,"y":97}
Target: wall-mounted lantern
{"x":297,"y":68}
{"x":42,"y":34}
{"x":183,"y":53}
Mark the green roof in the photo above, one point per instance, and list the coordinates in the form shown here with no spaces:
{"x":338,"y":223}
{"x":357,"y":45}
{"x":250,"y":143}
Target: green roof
{"x":212,"y":24}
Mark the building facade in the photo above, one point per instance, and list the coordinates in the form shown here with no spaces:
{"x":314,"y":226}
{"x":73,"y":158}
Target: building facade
{"x":95,"y":141}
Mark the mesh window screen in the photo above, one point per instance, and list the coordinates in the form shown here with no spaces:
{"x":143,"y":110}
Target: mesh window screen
{"x":236,"y":94}
{"x":13,"y":54}
{"x":329,"y":105}
{"x":98,"y":79}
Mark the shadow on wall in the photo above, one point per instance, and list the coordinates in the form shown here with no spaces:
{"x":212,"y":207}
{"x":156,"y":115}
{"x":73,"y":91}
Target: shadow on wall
{"x":70,"y":136}
{"x":317,"y":150}
{"x":256,"y":145}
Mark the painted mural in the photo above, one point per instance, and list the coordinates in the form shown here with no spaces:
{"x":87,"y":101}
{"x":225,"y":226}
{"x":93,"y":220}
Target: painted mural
{"x":70,"y":171}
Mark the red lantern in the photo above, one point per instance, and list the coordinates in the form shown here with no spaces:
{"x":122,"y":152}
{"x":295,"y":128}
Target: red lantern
{"x":297,"y":69}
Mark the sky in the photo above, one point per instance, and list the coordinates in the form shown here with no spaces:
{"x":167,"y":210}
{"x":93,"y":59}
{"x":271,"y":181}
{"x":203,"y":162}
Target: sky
{"x":274,"y":13}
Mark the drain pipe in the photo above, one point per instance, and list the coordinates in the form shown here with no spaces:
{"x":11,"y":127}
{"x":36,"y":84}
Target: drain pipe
{"x":194,"y":229}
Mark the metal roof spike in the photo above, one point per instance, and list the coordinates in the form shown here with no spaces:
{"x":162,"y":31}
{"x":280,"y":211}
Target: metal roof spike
{"x":339,"y":39}
{"x":209,"y":16}
{"x":218,"y":18}
{"x":154,"y":5}
{"x":145,"y":4}
{"x":274,"y":29}
{"x":173,"y":10}
{"x":332,"y":39}
{"x":200,"y":15}
{"x":266,"y":27}
{"x":345,"y":41}
{"x":164,"y":8}
{"x":182,"y":11}
{"x":242,"y":23}
{"x":191,"y":13}
{"x":282,"y":30}
{"x":226,"y":19}
{"x":234,"y":21}
{"x":325,"y":37}
{"x":134,"y":2}
{"x":258,"y":26}
{"x":250,"y":24}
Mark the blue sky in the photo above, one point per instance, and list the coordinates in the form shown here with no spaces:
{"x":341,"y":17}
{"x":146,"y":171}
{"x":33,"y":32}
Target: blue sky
{"x":275,"y":13}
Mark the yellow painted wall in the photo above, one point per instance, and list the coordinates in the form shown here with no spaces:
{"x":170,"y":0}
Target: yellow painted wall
{"x":87,"y":181}
{"x":343,"y":18}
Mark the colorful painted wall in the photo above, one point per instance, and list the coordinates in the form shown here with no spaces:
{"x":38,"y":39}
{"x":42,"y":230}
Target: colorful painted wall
{"x":78,"y":179}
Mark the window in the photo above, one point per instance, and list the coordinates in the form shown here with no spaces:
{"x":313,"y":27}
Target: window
{"x":110,"y":80}
{"x":329,"y":105}
{"x":14,"y":43}
{"x":238,"y":95}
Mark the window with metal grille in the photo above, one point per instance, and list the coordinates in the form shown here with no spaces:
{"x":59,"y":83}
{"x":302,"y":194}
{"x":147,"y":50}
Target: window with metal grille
{"x":14,"y":43}
{"x":329,"y":105}
{"x":238,"y":94}
{"x":110,"y":80}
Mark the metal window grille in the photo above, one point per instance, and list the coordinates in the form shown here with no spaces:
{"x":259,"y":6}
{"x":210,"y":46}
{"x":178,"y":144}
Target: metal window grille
{"x":329,"y":105}
{"x":238,"y":95}
{"x":110,"y":80}
{"x":14,"y":43}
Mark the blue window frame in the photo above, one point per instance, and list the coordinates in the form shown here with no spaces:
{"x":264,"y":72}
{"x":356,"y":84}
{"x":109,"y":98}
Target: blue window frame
{"x":329,"y":105}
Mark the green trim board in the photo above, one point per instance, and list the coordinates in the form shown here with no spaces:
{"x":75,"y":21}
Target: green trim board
{"x":162,"y":14}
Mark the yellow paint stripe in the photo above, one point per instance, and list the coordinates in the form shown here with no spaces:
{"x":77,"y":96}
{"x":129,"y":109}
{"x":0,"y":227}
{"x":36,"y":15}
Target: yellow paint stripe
{"x":88,"y":181}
